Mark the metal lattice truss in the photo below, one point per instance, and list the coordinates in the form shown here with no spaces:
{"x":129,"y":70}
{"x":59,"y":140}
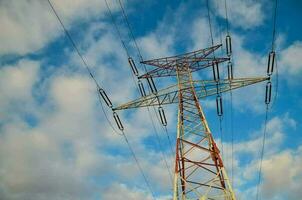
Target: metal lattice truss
{"x":199,"y":171}
{"x":203,"y":88}
{"x":195,"y":60}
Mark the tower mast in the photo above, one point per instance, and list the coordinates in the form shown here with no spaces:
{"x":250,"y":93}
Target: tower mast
{"x":199,"y":173}
{"x":199,"y":170}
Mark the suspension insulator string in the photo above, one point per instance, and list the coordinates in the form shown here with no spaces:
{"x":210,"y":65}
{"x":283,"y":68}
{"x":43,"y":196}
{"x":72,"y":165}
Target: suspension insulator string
{"x":268,"y":92}
{"x":271,"y":63}
{"x":162,"y":116}
{"x":118,"y":121}
{"x":228,"y":42}
{"x":152,"y":85}
{"x":230,"y":71}
{"x":105,"y":97}
{"x":141,"y":88}
{"x":219,"y":105}
{"x":133,"y":66}
{"x":216,"y":71}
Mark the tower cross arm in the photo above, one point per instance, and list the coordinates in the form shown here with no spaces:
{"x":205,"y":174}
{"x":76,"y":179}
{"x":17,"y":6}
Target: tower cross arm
{"x":204,"y":88}
{"x":167,"y":61}
{"x":196,"y":64}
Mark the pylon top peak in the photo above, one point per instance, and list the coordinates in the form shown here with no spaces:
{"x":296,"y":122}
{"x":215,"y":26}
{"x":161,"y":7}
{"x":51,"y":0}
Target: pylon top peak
{"x":195,"y":60}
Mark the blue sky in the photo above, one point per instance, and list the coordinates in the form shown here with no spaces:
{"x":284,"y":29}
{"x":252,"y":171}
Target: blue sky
{"x":55,"y":142}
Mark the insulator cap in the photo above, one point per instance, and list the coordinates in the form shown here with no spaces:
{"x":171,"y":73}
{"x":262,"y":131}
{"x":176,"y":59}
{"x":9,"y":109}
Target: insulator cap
{"x":215,"y":71}
{"x":230,"y":71}
{"x":105,"y":97}
{"x":162,"y":116}
{"x":118,"y":121}
{"x":271,"y":63}
{"x":152,"y":85}
{"x":268,"y":92}
{"x":133,"y":66}
{"x":228,"y":42}
{"x":219,"y":105}
{"x":141,"y":88}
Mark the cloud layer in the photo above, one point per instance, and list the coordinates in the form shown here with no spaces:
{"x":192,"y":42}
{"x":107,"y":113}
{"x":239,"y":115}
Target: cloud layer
{"x":55,"y":142}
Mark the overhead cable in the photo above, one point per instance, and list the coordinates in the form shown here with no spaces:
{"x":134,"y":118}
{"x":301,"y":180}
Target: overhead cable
{"x":268,"y":93}
{"x":210,"y":23}
{"x":101,"y":90}
{"x":117,"y":29}
{"x":217,"y":79}
{"x":73,"y":43}
{"x":134,"y":69}
{"x":151,"y":83}
{"x":230,"y":78}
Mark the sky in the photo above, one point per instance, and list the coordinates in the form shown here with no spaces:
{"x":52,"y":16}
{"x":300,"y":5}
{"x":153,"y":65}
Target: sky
{"x":55,"y":142}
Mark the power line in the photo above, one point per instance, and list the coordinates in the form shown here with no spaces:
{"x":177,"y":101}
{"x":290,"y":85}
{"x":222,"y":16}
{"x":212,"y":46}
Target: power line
{"x":106,"y":116}
{"x":226,"y":16}
{"x":160,"y":146}
{"x":218,"y":92}
{"x":262,"y":151}
{"x":73,"y":43}
{"x":210,"y":24}
{"x":117,"y":29}
{"x":130,"y":148}
{"x":166,"y":131}
{"x":131,"y":32}
{"x":221,"y":134}
{"x":138,"y":165}
{"x":67,"y":34}
{"x":128,"y":54}
{"x":98,"y":87}
{"x":273,"y":49}
{"x":220,"y":119}
{"x":232,"y":138}
{"x":271,"y":63}
{"x":231,"y":99}
{"x":126,"y":19}
{"x":274,"y":25}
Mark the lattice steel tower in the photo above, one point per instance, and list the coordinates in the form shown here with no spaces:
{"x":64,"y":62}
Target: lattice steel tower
{"x":199,"y":172}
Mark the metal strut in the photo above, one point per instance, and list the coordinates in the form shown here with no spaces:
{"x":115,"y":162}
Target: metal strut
{"x":204,"y":88}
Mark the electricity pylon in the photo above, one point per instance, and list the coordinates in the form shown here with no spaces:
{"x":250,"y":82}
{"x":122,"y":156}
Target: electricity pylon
{"x":199,"y":172}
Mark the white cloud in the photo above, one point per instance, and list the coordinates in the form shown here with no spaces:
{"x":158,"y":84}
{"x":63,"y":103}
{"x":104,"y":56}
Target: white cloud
{"x":246,"y":14}
{"x":54,"y":159}
{"x":290,"y":59}
{"x":61,"y":156}
{"x":33,"y":167}
{"x":121,"y":192}
{"x":201,"y":33}
{"x":70,"y":92}
{"x":16,"y":84}
{"x":30,"y":25}
{"x":156,"y":46}
{"x":282,"y":175}
{"x":160,"y":42}
{"x":279,"y":166}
